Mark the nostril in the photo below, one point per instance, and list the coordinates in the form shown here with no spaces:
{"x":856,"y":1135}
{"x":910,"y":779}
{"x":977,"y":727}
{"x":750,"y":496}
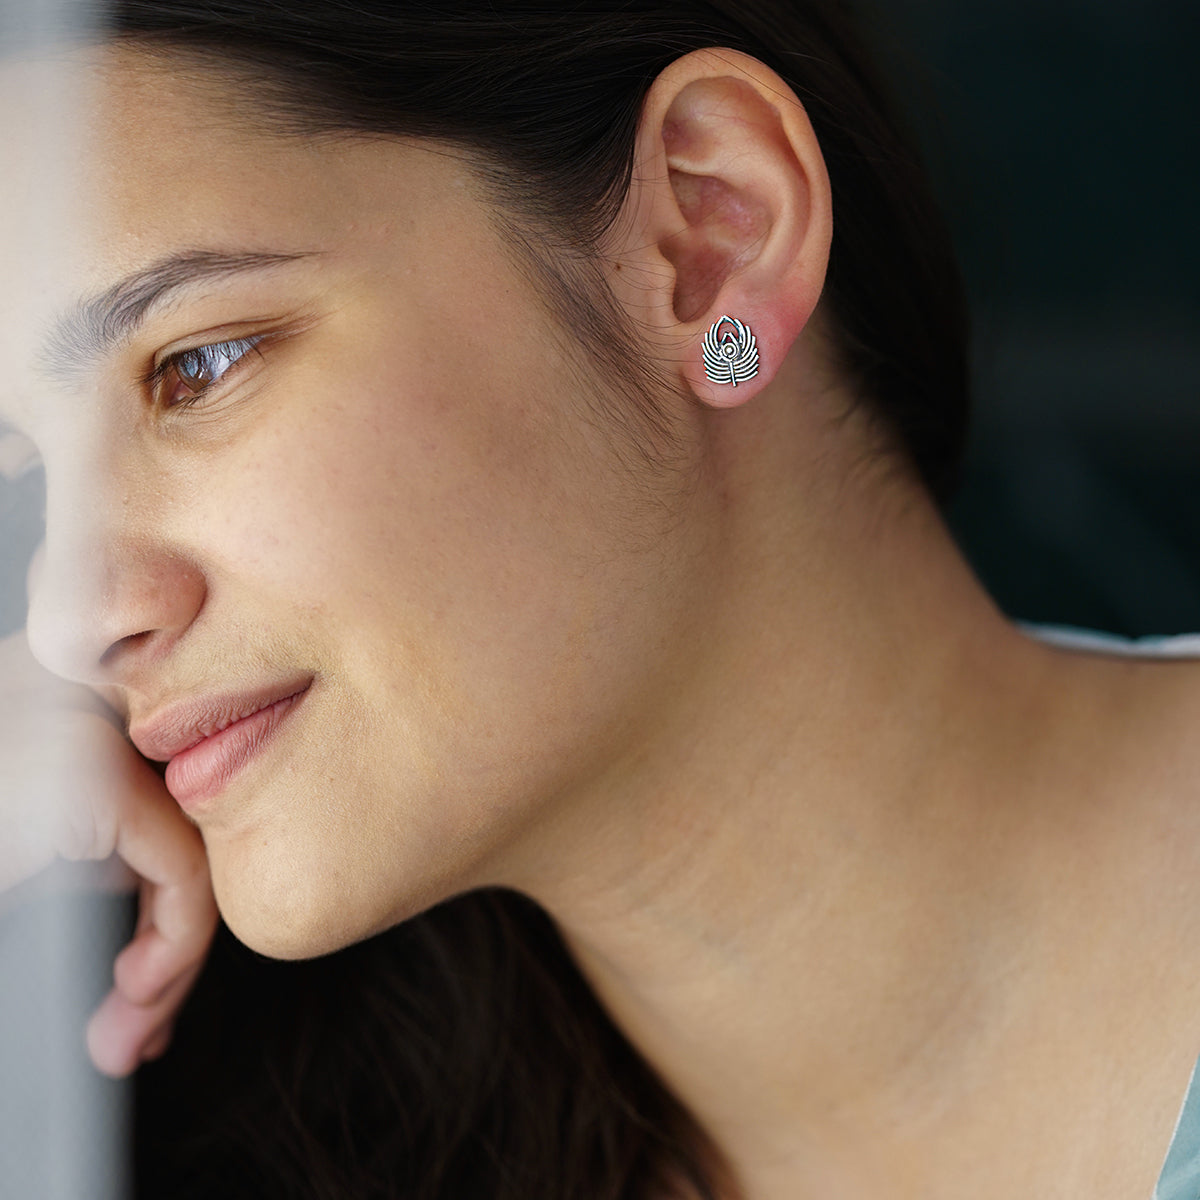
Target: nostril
{"x":125,"y":645}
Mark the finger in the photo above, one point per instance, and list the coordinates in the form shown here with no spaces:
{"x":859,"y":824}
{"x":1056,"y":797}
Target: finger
{"x":150,"y":963}
{"x":178,"y":914}
{"x":112,"y":876}
{"x":156,"y":1047}
{"x":120,"y":1032}
{"x":176,"y":922}
{"x":58,"y":745}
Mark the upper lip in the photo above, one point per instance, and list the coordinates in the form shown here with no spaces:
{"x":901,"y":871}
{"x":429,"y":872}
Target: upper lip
{"x":180,"y":726}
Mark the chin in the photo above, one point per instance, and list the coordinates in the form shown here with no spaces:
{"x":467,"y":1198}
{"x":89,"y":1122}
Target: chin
{"x":275,"y":934}
{"x":286,"y":917}
{"x":284,"y":909}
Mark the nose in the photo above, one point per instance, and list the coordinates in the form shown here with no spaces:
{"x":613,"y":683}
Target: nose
{"x":107,"y":596}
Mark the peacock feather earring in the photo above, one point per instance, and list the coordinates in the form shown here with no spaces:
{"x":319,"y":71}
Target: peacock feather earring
{"x":730,"y":352}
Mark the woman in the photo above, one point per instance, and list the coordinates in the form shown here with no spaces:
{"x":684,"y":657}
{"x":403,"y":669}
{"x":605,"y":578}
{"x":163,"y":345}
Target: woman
{"x":500,"y":449}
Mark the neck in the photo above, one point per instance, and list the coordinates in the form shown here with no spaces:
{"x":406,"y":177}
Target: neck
{"x":807,"y":893}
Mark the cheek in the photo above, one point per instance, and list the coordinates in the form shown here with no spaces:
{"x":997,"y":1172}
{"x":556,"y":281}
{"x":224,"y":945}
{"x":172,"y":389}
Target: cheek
{"x":384,"y":502}
{"x":431,"y":529}
{"x":457,"y":551}
{"x":446,"y":479}
{"x":433,"y":569}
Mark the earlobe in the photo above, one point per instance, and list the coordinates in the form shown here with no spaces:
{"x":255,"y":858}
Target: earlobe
{"x":731,"y":205}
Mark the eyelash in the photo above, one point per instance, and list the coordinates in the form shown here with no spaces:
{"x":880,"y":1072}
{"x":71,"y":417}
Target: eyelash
{"x":229,"y":354}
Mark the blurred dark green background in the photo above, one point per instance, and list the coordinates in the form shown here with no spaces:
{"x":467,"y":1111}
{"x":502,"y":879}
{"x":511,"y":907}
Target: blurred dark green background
{"x":1062,"y":135}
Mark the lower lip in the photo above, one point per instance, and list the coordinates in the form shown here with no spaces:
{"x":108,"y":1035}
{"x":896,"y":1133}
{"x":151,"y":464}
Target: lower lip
{"x":200,"y":773}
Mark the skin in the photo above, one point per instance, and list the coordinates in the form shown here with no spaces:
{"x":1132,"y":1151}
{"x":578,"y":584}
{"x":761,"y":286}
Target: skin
{"x":873,"y":880}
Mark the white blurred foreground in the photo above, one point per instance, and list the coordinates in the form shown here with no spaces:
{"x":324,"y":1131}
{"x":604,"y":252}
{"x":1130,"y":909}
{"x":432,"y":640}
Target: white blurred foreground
{"x":64,"y":1128}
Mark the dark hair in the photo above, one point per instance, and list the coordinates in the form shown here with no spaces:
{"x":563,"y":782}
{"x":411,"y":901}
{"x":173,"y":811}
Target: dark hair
{"x":461,"y":1055}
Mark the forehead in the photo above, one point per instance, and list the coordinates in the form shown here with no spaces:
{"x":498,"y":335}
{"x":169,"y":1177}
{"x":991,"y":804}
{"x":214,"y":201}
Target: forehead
{"x":112,"y":159}
{"x":130,"y":149}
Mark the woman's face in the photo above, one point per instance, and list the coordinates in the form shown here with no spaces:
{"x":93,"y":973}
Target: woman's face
{"x":400,"y":499}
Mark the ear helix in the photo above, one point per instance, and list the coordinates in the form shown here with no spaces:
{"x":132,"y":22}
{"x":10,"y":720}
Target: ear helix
{"x":730,"y":352}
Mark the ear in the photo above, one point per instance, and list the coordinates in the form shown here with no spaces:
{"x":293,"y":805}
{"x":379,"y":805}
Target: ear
{"x":728,"y":215}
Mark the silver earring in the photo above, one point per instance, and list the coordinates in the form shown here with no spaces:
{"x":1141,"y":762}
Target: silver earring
{"x":730,"y":355}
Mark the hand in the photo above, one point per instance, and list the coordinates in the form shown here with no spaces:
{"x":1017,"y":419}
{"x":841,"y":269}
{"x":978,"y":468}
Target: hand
{"x":72,"y":787}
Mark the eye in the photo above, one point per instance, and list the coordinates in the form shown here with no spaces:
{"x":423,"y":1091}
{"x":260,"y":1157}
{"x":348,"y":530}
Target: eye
{"x":185,"y":378}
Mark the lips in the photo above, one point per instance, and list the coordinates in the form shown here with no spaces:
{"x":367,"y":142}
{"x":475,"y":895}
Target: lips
{"x":206,"y":742}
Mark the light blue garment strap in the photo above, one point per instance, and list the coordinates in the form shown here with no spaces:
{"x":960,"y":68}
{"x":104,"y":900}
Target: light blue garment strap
{"x":1180,"y":1176}
{"x":1186,"y":645}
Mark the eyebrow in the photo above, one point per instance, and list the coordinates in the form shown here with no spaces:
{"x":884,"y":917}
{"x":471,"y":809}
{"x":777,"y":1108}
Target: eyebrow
{"x":96,"y":326}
